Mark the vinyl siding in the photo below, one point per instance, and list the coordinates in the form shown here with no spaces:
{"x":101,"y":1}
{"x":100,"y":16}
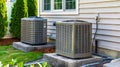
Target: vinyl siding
{"x":109,"y":25}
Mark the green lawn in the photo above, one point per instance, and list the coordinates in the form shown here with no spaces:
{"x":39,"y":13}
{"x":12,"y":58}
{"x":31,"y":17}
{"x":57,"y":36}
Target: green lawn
{"x":7,"y":53}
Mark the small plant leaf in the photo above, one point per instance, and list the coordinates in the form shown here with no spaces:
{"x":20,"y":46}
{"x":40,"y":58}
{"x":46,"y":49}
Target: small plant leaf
{"x":44,"y":64}
{"x":13,"y":62}
{"x":21,"y":64}
{"x":39,"y":64}
{"x":32,"y":65}
{"x":1,"y":64}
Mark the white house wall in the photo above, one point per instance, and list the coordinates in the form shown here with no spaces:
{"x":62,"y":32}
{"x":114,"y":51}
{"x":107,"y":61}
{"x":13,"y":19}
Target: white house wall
{"x":109,"y":25}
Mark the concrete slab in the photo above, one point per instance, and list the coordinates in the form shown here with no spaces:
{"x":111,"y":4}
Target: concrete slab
{"x":113,"y":63}
{"x":27,"y":47}
{"x":59,"y":61}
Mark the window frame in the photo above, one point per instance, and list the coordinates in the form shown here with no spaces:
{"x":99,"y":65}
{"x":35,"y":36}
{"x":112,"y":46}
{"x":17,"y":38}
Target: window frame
{"x":62,"y":11}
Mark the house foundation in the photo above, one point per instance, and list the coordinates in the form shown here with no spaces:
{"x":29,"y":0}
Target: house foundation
{"x":108,"y":52}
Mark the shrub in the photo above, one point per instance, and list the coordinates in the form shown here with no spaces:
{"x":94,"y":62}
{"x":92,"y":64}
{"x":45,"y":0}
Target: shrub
{"x":19,"y":11}
{"x":32,"y":7}
{"x":3,"y":18}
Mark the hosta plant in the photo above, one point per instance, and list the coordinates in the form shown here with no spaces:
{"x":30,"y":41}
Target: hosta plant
{"x":13,"y":63}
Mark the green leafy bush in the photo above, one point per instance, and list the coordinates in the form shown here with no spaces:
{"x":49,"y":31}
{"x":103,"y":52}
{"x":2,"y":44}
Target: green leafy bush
{"x":13,"y":63}
{"x":19,"y":11}
{"x":3,"y":18}
{"x":32,"y":7}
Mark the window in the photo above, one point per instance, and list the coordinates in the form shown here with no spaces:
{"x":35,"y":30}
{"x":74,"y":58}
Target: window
{"x":47,"y":4}
{"x":59,"y":6}
{"x":70,"y":4}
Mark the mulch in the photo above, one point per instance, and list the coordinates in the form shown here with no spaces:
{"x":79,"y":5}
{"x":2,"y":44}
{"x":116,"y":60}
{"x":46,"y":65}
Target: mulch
{"x":46,"y":50}
{"x":8,"y":41}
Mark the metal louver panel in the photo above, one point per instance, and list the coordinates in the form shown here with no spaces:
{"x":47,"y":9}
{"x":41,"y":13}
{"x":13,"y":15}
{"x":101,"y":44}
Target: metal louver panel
{"x":34,"y":30}
{"x":74,"y":39}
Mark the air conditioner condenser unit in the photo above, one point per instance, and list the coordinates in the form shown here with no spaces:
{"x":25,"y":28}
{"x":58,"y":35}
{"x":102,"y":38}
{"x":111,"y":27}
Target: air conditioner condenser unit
{"x":73,"y":38}
{"x":34,"y":30}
